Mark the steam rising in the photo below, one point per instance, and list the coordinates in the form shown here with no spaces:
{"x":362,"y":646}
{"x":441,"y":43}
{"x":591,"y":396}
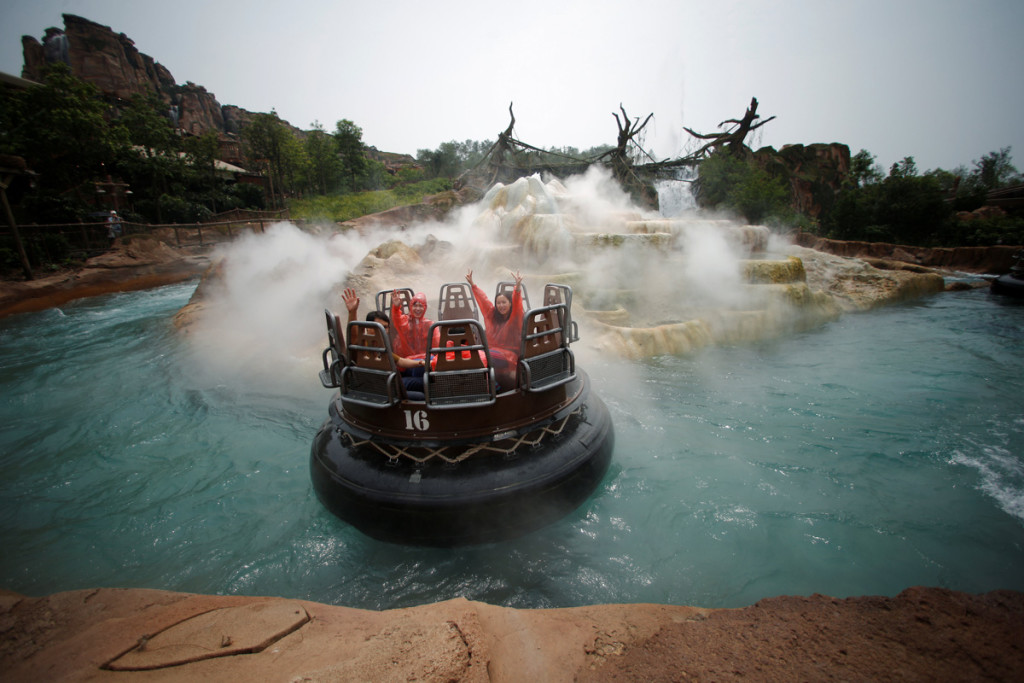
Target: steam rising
{"x":263,"y":318}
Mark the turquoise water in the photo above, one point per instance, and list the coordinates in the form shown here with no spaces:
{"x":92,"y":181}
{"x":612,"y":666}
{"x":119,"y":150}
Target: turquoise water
{"x":881,"y":451}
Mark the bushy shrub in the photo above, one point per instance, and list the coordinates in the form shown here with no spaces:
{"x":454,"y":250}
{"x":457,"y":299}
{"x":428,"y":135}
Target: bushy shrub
{"x":405,"y":176}
{"x":46,"y":208}
{"x":48,"y":248}
{"x":415,"y":192}
{"x":903,"y":209}
{"x":243,"y":196}
{"x":980,"y":232}
{"x":179,"y":210}
{"x":8,"y":257}
{"x":732,"y":183}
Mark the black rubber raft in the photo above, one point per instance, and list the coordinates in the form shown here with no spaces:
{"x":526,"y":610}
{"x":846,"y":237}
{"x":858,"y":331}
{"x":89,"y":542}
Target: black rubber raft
{"x":1011,"y":284}
{"x":477,"y":456}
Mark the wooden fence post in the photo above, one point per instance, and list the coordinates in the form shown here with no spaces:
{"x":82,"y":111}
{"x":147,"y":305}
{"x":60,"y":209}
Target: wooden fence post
{"x":14,"y":229}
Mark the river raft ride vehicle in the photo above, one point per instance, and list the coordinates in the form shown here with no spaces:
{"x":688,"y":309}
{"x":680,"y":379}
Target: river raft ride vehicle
{"x":1011,"y":283}
{"x":480,"y":455}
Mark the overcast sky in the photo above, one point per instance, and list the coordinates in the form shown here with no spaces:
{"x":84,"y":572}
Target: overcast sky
{"x":934,"y":79}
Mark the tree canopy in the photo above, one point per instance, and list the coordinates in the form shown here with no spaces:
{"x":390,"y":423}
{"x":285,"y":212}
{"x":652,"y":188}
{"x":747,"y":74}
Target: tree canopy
{"x":60,"y":128}
{"x":74,"y":137}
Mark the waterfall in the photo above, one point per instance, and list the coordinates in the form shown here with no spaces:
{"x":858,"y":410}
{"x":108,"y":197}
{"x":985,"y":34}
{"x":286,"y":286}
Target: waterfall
{"x":674,"y":194}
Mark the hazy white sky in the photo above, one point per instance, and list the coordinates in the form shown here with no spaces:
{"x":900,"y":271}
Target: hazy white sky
{"x":932,"y":79}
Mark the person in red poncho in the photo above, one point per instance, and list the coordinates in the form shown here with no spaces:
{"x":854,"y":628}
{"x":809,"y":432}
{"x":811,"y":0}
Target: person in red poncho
{"x":503,"y":321}
{"x":412,"y":329}
{"x":411,"y":368}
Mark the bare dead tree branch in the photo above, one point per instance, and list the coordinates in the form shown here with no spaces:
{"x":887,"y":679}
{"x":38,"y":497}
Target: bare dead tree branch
{"x":509,"y":158}
{"x":733,"y":138}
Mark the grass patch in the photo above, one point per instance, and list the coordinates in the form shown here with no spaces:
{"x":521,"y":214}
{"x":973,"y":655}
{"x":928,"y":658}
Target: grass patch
{"x":338,"y":208}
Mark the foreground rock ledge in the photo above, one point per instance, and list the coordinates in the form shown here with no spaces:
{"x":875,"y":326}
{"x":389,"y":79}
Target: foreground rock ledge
{"x":923,"y":634}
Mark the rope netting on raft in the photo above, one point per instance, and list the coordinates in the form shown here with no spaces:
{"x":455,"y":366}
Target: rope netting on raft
{"x":455,"y":454}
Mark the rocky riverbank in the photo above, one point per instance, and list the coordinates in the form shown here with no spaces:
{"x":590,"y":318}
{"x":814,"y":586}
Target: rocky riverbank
{"x":131,"y":264}
{"x":923,"y":634}
{"x":994,"y":260}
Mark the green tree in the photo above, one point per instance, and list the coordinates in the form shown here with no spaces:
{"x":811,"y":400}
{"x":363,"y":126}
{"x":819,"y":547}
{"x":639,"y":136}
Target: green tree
{"x":727,"y":181}
{"x":147,"y":125}
{"x":201,"y":155}
{"x":295,"y":165}
{"x":375,"y":177}
{"x":853,"y":215}
{"x":269,"y":144}
{"x":154,"y":160}
{"x":994,"y":170}
{"x":864,"y":170}
{"x":472,"y":152}
{"x":914,"y":208}
{"x":904,"y":208}
{"x":349,"y":139}
{"x":61,"y":131}
{"x":444,"y":162}
{"x":324,"y":163}
{"x":904,"y":168}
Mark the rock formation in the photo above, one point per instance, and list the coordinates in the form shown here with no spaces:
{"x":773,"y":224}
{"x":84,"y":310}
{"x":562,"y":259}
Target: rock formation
{"x":96,"y":54}
{"x":815,"y":172}
{"x":643,"y":285}
{"x":111,"y":62}
{"x":133,"y":263}
{"x":993,"y":260}
{"x":923,"y":634}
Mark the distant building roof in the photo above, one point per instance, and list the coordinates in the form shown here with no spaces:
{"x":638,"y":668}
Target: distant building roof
{"x":225,"y":166}
{"x":16,"y":81}
{"x":217,"y":163}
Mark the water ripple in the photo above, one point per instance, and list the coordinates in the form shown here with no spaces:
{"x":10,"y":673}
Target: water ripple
{"x":881,"y":451}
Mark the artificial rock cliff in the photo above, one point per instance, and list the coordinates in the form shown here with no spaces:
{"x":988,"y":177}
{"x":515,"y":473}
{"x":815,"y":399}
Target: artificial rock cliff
{"x":815,"y":172}
{"x":996,"y":259}
{"x":111,"y":62}
{"x":97,"y":55}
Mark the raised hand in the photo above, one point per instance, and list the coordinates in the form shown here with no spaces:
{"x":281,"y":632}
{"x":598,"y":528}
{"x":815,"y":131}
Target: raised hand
{"x":469,"y":278}
{"x":351,"y":301}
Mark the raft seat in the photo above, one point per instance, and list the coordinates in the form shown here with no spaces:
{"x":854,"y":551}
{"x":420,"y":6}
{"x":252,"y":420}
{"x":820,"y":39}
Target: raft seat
{"x":455,"y":302}
{"x":509,"y":288}
{"x":457,"y":375}
{"x":383,"y":299}
{"x":545,"y":359}
{"x":562,"y":294}
{"x":333,"y":356}
{"x":371,"y":378}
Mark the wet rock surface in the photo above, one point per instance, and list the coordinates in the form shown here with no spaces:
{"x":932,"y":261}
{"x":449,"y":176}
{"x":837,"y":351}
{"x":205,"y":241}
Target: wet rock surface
{"x":131,"y":264}
{"x":994,"y":260}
